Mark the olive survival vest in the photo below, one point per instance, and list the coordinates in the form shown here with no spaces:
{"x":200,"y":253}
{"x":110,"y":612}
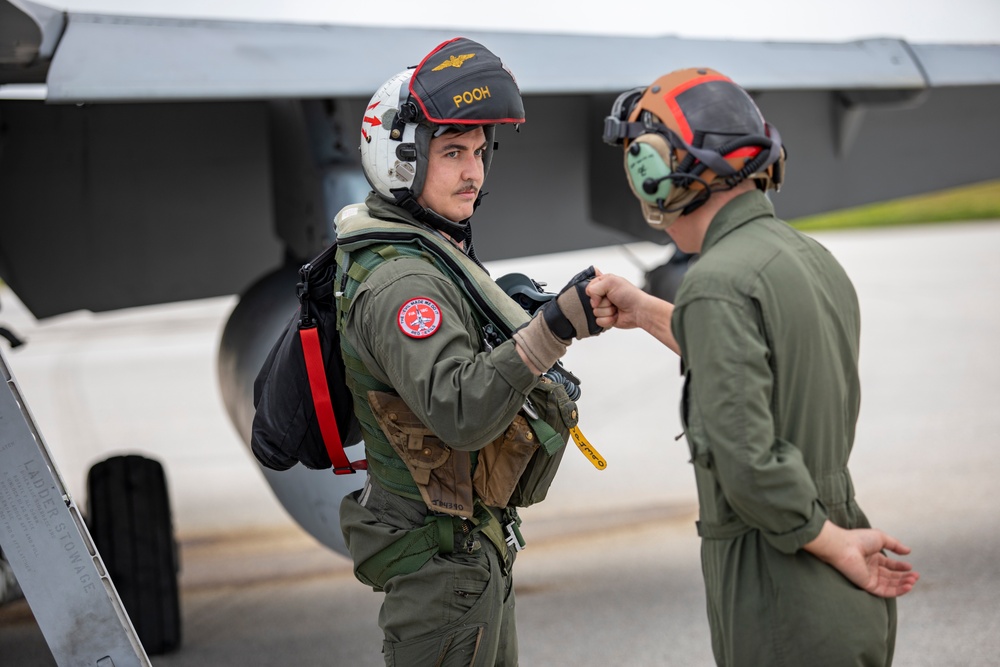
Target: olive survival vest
{"x":364,"y":244}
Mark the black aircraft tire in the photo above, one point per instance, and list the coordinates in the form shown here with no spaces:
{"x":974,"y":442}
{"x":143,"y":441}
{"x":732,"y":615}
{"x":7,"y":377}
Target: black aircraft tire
{"x":129,"y":518}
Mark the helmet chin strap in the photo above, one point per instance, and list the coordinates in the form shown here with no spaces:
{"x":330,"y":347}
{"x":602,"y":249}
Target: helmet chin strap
{"x":458,"y":231}
{"x":663,"y":216}
{"x":700,"y":198}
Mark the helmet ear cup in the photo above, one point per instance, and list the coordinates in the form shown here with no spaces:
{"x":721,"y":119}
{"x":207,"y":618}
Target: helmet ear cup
{"x":381,"y":135}
{"x":648,"y":161}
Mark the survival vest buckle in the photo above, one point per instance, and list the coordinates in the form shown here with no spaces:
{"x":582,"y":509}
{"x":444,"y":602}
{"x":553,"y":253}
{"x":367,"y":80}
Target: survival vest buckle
{"x":351,"y":468}
{"x":514,"y":539}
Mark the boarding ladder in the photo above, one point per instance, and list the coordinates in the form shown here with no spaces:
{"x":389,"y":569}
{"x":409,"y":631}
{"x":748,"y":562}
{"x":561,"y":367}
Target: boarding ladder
{"x":50,"y":551}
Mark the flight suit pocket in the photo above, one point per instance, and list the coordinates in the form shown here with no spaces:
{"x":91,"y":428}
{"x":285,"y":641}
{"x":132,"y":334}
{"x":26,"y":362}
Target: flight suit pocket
{"x":700,"y":454}
{"x":458,"y":647}
{"x":443,"y":475}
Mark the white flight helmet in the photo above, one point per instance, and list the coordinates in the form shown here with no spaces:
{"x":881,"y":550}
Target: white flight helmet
{"x":460,"y":84}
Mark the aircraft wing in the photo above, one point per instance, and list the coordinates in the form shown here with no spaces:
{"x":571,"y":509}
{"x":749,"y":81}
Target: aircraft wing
{"x":223,"y":142}
{"x":103,"y":58}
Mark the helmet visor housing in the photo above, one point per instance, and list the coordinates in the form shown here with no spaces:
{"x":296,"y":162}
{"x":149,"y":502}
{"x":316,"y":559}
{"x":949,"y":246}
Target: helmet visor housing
{"x":462,"y":83}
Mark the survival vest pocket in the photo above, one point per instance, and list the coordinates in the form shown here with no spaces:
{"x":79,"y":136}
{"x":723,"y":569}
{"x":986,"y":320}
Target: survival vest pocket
{"x":501,"y":463}
{"x":443,"y":475}
{"x":557,"y":414}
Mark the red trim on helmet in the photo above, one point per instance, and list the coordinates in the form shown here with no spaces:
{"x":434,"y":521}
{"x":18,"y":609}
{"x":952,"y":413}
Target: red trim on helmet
{"x":682,"y":124}
{"x":409,"y":85}
{"x":428,"y":56}
{"x":469,"y":121}
{"x":670,"y":97}
{"x":746,"y":151}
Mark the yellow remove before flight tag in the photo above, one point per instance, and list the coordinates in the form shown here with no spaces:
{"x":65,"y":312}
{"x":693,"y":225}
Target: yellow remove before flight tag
{"x":588,"y":450}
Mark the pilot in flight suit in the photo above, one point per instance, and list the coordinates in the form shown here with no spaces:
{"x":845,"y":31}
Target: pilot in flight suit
{"x":767,"y":325}
{"x":459,"y":426}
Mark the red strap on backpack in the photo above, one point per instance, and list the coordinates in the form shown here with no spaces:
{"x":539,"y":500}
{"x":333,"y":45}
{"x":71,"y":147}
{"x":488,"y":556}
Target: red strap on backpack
{"x":324,"y":406}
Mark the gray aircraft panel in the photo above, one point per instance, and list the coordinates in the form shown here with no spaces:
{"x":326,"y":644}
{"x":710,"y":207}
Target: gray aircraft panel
{"x":151,"y":201}
{"x":117,"y":58}
{"x":959,"y":64}
{"x":104,"y":57}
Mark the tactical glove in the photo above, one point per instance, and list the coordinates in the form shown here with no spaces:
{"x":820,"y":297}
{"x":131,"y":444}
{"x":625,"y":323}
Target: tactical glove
{"x":545,"y":338}
{"x":570,"y":314}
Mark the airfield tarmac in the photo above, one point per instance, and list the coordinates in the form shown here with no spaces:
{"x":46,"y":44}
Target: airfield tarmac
{"x":611,"y":574}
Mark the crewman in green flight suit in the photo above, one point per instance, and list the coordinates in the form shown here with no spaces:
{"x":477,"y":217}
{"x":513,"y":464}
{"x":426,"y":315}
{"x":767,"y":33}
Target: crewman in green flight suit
{"x":767,"y":326}
{"x":460,"y":426}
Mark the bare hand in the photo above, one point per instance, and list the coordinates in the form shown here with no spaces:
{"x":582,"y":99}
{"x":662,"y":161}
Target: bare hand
{"x":857,"y":554}
{"x":614,"y":300}
{"x":618,"y":303}
{"x":870,"y":569}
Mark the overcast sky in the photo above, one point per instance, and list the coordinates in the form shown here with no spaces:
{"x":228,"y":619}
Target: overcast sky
{"x":914,"y":20}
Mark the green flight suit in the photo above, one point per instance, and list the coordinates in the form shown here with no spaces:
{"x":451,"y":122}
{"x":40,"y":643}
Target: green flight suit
{"x":768,"y":326}
{"x":458,"y":608}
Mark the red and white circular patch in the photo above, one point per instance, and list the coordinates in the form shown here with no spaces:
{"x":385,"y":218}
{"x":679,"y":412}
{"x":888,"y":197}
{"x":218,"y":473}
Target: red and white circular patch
{"x":419,"y":317}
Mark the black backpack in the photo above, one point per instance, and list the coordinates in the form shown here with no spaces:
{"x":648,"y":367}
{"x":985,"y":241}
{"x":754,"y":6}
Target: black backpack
{"x":304,"y":410}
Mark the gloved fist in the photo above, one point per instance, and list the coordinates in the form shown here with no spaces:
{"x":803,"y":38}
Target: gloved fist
{"x":545,"y":338}
{"x":570,"y":314}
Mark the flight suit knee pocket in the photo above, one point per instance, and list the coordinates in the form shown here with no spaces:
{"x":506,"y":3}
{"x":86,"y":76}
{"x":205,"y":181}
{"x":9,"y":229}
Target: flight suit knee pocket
{"x":455,"y":646}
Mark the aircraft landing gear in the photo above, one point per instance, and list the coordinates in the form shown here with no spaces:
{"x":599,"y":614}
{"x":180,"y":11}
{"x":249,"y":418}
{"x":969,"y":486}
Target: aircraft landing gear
{"x":130,"y":521}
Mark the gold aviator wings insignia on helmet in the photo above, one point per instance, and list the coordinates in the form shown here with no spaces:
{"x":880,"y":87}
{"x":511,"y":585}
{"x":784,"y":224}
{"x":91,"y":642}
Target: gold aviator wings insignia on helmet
{"x":454,"y":61}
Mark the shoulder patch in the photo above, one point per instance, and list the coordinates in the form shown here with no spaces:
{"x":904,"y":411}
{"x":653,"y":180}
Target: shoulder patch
{"x":419,"y":317}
